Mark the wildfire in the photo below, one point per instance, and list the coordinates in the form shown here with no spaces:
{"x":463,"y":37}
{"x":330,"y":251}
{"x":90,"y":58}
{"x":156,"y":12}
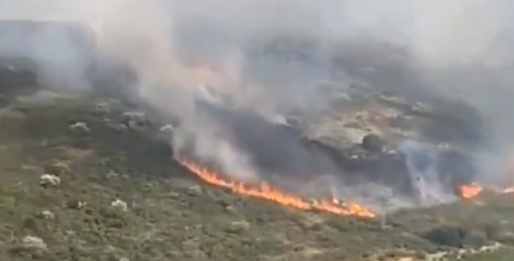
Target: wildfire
{"x":470,"y":191}
{"x":267,"y":192}
{"x":473,"y":190}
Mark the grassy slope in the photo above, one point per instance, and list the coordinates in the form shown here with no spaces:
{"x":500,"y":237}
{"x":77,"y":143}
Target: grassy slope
{"x":173,"y":216}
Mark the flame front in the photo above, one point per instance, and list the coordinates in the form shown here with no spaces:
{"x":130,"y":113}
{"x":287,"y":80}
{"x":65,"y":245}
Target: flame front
{"x":267,"y":192}
{"x":474,"y":190}
{"x":470,"y":191}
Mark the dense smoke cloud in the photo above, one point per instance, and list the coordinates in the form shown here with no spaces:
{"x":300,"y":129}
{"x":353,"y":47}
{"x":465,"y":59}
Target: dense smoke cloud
{"x":267,"y":57}
{"x":61,"y":56}
{"x":438,"y":34}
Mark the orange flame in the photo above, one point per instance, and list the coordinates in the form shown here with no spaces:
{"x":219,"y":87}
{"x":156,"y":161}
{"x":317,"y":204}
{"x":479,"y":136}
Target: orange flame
{"x":473,"y":190}
{"x":470,"y":191}
{"x":267,"y":192}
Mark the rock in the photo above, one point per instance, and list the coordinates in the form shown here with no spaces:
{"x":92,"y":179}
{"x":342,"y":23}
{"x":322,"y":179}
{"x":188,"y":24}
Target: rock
{"x":134,"y":115}
{"x":354,"y":135}
{"x":80,"y":128}
{"x":58,"y":167}
{"x":342,"y":96}
{"x":278,"y":119}
{"x":103,"y":107}
{"x":195,"y":190}
{"x":192,"y":248}
{"x":112,"y":174}
{"x":174,"y":195}
{"x":231,"y":209}
{"x":47,"y":214}
{"x":420,"y":109}
{"x":238,"y":226}
{"x":76,"y":204}
{"x":312,"y":222}
{"x":373,"y":142}
{"x":49,"y":180}
{"x":119,"y":204}
{"x":32,"y":242}
{"x":167,"y":128}
{"x":120,"y":127}
{"x":81,"y":204}
{"x":135,"y":120}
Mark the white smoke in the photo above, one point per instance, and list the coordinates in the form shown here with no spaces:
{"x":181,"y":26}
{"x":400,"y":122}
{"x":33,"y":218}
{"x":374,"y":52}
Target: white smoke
{"x":158,"y":38}
{"x":422,"y":165}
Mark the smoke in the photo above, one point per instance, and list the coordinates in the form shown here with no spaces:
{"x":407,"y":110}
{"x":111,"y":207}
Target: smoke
{"x":61,"y":55}
{"x":268,"y":56}
{"x":424,"y":173}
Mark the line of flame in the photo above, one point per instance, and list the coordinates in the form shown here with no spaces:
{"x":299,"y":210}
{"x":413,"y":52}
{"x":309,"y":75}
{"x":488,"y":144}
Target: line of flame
{"x":266,"y":191}
{"x":474,"y":190}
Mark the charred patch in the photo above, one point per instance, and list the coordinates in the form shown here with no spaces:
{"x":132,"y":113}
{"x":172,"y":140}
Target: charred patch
{"x":278,"y":150}
{"x":273,"y":148}
{"x":455,"y":236}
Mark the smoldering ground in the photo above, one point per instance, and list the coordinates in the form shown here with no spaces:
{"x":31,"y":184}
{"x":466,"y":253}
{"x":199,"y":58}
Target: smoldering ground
{"x":272,"y":54}
{"x":272,"y":150}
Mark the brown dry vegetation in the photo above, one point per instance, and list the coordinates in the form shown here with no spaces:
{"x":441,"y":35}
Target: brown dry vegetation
{"x":172,"y":216}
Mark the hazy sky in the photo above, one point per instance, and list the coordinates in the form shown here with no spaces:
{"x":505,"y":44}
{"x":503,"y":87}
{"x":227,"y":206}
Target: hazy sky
{"x":376,"y":11}
{"x":36,"y":9}
{"x":437,"y":28}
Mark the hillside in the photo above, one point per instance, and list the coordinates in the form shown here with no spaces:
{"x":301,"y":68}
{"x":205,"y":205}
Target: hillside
{"x":119,"y":196}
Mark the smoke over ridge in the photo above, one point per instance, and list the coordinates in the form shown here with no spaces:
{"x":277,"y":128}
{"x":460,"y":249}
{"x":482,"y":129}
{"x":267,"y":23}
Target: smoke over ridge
{"x":427,"y":50}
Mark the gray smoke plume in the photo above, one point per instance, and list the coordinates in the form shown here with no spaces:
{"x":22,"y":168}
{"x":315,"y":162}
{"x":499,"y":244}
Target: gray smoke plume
{"x":422,"y":163}
{"x":267,"y":57}
{"x":60,"y":51}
